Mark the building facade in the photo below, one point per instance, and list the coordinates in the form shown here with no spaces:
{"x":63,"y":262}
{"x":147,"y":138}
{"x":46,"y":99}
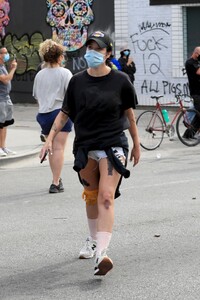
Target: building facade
{"x":25,"y":24}
{"x":161,"y":37}
{"x":160,"y":33}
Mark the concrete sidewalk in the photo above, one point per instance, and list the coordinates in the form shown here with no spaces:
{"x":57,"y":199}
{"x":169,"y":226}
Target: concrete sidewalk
{"x":24,"y":137}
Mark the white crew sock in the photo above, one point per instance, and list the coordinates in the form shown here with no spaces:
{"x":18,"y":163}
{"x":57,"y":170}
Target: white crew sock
{"x":92,"y":224}
{"x":103,"y":241}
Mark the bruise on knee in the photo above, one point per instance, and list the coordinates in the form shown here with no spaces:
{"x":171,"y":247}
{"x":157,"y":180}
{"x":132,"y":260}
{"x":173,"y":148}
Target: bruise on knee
{"x":107,"y":204}
{"x":90,"y":197}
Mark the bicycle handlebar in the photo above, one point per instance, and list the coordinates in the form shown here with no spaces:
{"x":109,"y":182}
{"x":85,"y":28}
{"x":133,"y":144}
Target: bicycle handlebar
{"x":178,"y":98}
{"x":157,"y":97}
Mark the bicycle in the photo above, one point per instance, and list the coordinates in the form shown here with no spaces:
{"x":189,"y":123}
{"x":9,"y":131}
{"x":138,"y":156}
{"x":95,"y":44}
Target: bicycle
{"x":152,"y":125}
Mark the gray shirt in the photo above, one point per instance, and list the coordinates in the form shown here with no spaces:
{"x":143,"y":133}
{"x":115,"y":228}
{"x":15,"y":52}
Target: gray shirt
{"x":49,"y":88}
{"x":4,"y":87}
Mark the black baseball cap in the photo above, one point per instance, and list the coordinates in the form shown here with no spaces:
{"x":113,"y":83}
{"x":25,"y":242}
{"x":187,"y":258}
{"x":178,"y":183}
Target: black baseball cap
{"x":101,"y":38}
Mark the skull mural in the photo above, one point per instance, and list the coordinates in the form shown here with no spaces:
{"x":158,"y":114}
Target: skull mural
{"x":69,"y":21}
{"x":4,"y":18}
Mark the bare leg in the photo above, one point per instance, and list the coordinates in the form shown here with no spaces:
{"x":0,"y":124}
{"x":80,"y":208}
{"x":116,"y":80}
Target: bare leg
{"x":108,"y":182}
{"x":3,"y":133}
{"x":102,"y":177}
{"x":92,"y":211}
{"x":56,"y":160}
{"x":109,"y":179}
{"x":90,"y":178}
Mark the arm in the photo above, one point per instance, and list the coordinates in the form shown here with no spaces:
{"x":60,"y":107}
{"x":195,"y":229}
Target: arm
{"x":131,"y":64}
{"x":6,"y":78}
{"x":127,"y":65}
{"x":135,"y":152}
{"x":198,"y":71}
{"x":58,"y":124}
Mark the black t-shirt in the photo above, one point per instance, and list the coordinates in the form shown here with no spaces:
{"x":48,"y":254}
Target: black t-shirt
{"x":191,"y":67}
{"x":96,"y":105}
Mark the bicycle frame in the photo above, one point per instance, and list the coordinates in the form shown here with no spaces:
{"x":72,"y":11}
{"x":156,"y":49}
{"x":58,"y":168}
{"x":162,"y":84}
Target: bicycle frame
{"x":152,"y":125}
{"x":159,"y":110}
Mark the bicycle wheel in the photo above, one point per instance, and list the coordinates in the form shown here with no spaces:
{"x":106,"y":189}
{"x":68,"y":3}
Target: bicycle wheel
{"x":150,"y":129}
{"x":188,"y":127}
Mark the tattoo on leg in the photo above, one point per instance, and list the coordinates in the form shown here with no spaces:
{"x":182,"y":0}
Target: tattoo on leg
{"x":84,"y":182}
{"x":110,"y":168}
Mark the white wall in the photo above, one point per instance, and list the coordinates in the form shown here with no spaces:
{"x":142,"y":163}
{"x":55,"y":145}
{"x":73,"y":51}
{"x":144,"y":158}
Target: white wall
{"x":121,"y":24}
{"x":155,"y":37}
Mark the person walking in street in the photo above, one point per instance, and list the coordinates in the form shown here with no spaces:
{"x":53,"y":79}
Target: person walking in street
{"x":49,"y":88}
{"x":6,"y":105}
{"x":100,"y":102}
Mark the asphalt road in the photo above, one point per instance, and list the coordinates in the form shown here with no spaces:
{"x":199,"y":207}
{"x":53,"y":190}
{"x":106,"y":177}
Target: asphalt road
{"x":156,"y":238}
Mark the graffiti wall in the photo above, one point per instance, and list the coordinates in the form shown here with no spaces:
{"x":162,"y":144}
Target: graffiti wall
{"x":151,"y":44}
{"x":25,"y":24}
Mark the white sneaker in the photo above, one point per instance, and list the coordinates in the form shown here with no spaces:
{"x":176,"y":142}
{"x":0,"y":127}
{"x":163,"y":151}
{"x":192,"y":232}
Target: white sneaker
{"x":9,"y":152}
{"x":103,"y":264}
{"x":89,"y":249}
{"x":2,"y":153}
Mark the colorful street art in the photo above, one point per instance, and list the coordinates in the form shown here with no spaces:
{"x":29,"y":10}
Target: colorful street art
{"x":25,"y":50}
{"x":69,"y":21}
{"x":25,"y":24}
{"x":4,"y":18}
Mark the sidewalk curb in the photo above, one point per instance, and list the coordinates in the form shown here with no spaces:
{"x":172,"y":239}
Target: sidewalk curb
{"x":5,"y":161}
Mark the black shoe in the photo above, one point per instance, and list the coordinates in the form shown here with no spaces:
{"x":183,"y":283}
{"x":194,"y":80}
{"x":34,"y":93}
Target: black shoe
{"x":56,"y":188}
{"x":43,"y":137}
{"x":189,"y":134}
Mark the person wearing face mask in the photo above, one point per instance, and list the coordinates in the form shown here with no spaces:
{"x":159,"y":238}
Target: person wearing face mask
{"x":192,"y":67}
{"x":99,"y":101}
{"x":50,"y":85}
{"x":6,"y":105}
{"x":127,"y":63}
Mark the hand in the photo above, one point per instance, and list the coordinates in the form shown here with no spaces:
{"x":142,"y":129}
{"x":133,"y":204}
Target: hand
{"x":130,"y":60}
{"x":44,"y":157}
{"x":13,"y":64}
{"x":135,"y":155}
{"x":47,"y":148}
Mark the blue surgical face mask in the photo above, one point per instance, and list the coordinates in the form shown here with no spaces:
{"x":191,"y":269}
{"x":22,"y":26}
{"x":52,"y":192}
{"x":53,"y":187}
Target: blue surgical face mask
{"x":6,"y":57}
{"x":126,"y":52}
{"x":94,"y":58}
{"x":63,"y":63}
